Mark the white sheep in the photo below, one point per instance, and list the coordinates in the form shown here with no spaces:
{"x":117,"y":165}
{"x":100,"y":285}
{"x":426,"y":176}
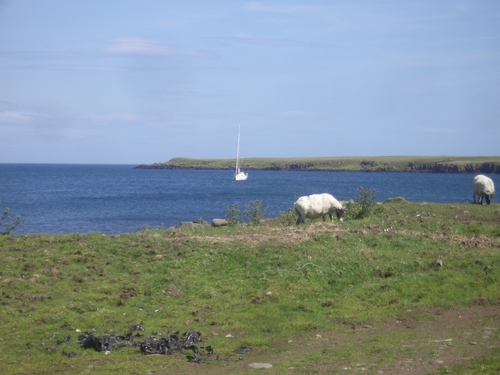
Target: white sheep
{"x":316,"y":205}
{"x":483,"y":187}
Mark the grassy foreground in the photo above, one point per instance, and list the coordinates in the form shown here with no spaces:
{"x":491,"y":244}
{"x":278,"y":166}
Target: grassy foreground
{"x":390,"y":293}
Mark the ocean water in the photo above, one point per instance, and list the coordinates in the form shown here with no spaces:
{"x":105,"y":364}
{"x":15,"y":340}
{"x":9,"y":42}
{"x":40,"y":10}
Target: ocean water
{"x":62,"y":198}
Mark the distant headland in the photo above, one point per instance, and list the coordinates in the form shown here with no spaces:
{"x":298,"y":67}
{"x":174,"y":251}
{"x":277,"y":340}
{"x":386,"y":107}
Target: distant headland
{"x":415,"y":164}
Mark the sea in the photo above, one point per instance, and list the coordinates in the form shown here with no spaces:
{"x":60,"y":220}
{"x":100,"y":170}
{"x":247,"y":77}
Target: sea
{"x":112,"y":199}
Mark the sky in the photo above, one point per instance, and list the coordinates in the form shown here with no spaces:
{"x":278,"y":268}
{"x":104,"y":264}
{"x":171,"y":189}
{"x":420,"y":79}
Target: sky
{"x":139,"y":82}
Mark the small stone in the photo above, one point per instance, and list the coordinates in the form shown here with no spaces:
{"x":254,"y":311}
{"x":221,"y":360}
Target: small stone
{"x":172,"y":291}
{"x":260,"y":365}
{"x":229,"y":336}
{"x":77,"y":330}
{"x":219,"y":223}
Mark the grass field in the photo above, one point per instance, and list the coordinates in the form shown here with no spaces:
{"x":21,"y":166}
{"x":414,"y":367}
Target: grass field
{"x":454,"y":164}
{"x":412,"y":288}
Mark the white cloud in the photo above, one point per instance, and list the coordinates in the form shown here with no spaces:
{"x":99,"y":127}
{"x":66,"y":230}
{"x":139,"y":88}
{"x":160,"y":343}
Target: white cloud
{"x":86,"y":67}
{"x":439,"y":130}
{"x":18,"y":117}
{"x":278,"y":42}
{"x":262,"y":7}
{"x":302,"y":114}
{"x":141,"y":46}
{"x":129,"y":117}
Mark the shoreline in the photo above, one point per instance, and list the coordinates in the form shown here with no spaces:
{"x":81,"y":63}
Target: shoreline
{"x":397,"y":164}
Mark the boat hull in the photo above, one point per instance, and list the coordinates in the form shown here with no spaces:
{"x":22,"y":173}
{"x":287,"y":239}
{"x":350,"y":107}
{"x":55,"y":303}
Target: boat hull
{"x":241,"y":176}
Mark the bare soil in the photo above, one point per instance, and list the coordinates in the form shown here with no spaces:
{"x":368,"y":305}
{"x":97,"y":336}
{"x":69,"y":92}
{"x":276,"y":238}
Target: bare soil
{"x":423,"y":342}
{"x":300,"y":234}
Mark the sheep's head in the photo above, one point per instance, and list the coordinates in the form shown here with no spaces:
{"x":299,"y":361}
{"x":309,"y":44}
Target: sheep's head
{"x":340,"y":214}
{"x":488,"y":198}
{"x":487,"y":194}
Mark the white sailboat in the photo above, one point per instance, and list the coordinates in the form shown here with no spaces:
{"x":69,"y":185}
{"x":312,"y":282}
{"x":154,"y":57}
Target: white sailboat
{"x":239,"y":175}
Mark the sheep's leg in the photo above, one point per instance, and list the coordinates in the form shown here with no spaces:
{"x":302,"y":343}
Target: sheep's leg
{"x":301,"y":218}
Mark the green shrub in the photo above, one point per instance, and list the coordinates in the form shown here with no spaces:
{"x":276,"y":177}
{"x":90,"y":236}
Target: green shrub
{"x":362,"y":205}
{"x":233,"y":215}
{"x":288,"y":218}
{"x":254,"y":212}
{"x":6,"y":223}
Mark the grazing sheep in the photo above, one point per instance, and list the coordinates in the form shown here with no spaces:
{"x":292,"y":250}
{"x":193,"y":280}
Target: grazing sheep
{"x":483,"y":187}
{"x":316,"y":205}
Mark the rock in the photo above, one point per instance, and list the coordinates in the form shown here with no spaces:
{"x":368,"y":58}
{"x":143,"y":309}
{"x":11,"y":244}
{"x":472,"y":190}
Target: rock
{"x":192,"y":224}
{"x":243,"y":350}
{"x":260,"y":365}
{"x":186,"y":225}
{"x":172,"y":291}
{"x":202,"y":222}
{"x":219,"y":222}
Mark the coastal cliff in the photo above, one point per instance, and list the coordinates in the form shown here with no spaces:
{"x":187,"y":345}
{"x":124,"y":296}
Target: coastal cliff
{"x":473,"y":165}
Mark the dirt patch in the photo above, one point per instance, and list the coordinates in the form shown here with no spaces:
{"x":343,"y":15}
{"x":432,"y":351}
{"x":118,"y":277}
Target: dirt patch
{"x":424,"y":340}
{"x":465,"y":241}
{"x":278,"y":234}
{"x":310,"y":232}
{"x":421,"y":341}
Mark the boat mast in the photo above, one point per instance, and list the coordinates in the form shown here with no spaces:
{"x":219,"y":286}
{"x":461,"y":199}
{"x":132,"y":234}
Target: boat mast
{"x":238,"y":151}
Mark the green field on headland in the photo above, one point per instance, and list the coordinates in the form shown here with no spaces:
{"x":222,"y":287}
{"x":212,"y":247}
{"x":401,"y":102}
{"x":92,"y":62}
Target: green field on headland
{"x":412,"y":288}
{"x":423,"y":164}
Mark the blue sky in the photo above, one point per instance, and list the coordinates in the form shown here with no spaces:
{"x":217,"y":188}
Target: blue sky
{"x":133,"y":82}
